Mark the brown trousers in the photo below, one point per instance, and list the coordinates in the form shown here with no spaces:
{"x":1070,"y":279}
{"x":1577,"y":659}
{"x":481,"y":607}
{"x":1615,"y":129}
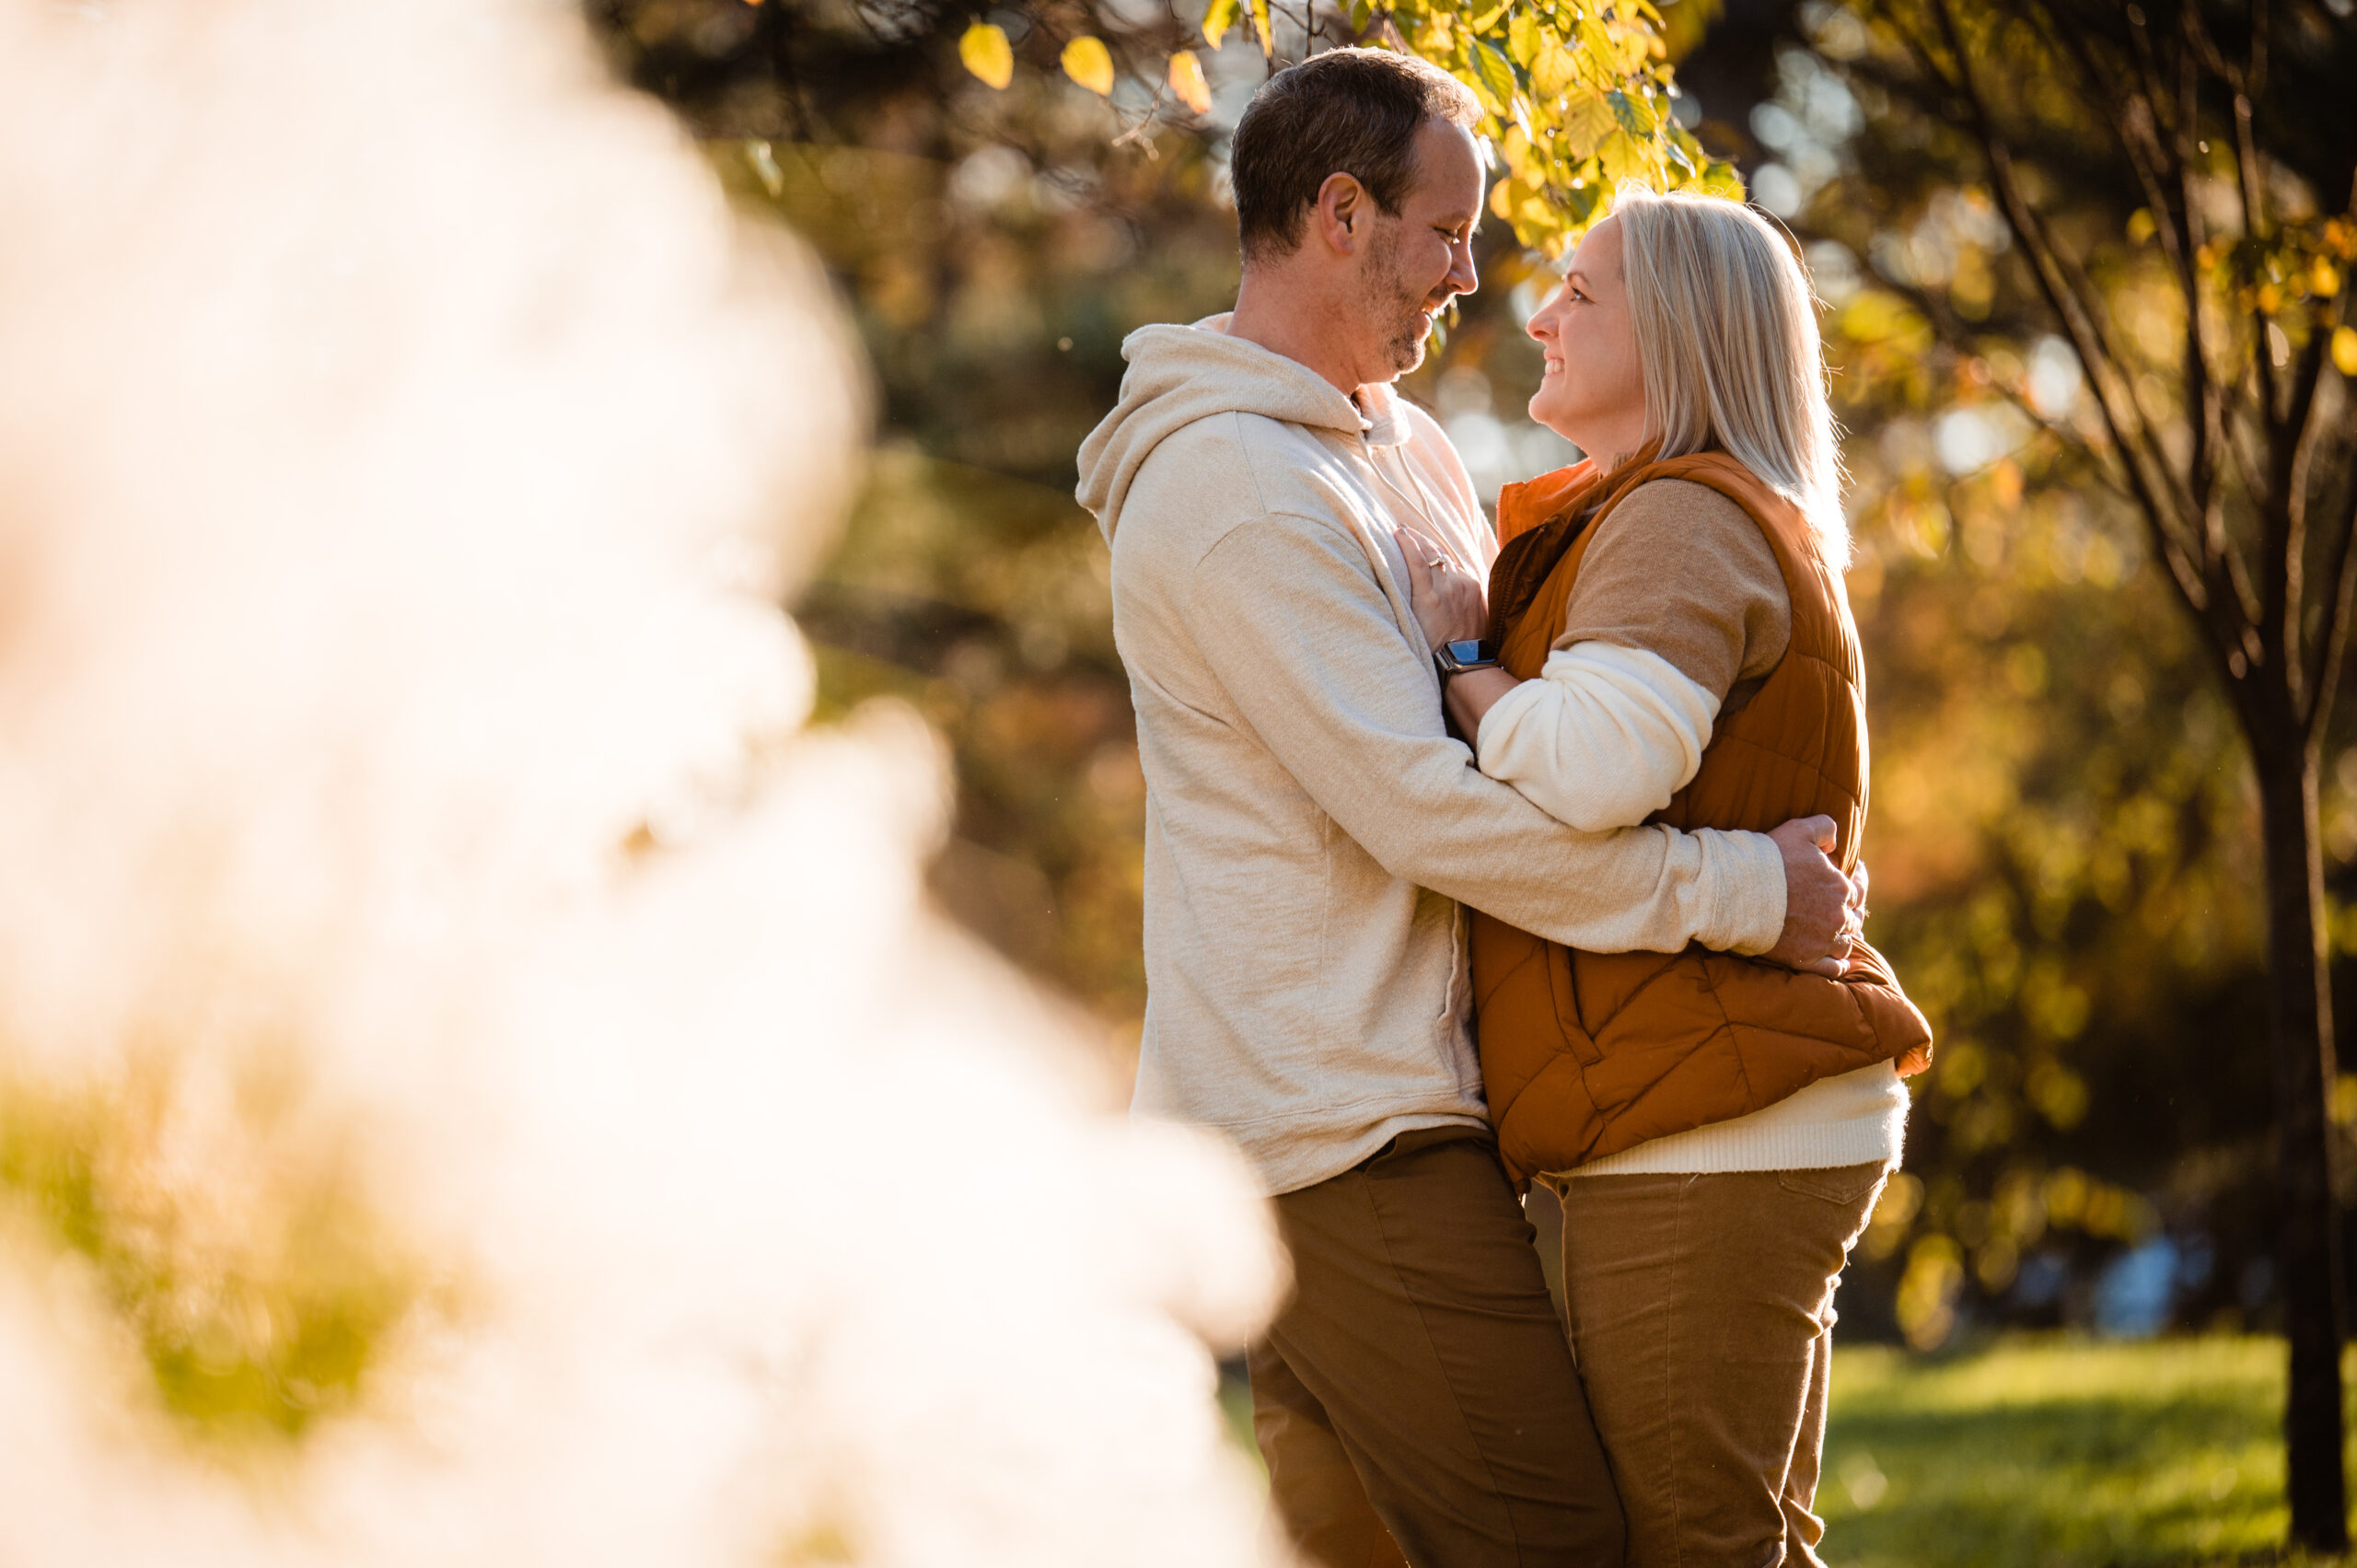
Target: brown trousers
{"x":1417,"y":1389}
{"x":1701,"y":1312}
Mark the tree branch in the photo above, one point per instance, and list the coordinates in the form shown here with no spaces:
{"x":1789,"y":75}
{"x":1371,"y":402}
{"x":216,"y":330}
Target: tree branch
{"x":2146,"y":470}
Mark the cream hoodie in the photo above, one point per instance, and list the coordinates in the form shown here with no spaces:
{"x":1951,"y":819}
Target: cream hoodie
{"x":1310,"y":825}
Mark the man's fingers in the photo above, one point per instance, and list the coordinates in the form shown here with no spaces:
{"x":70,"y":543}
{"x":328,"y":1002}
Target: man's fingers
{"x":1858,"y":882}
{"x":1821,"y":831}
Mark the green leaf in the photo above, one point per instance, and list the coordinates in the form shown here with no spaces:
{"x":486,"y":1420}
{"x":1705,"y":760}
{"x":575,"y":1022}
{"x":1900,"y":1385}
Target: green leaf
{"x":1635,"y":116}
{"x":1493,"y":77}
{"x":1218,"y":19}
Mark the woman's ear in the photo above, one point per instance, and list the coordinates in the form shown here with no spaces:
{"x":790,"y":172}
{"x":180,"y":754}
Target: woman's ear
{"x":1343,"y":206}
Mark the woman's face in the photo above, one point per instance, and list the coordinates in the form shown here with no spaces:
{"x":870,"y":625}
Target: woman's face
{"x":1594,"y":393}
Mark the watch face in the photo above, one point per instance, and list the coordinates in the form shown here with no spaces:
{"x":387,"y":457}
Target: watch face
{"x":1465,"y":652}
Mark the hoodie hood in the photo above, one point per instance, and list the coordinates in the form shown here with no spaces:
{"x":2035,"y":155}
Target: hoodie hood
{"x":1178,"y":375}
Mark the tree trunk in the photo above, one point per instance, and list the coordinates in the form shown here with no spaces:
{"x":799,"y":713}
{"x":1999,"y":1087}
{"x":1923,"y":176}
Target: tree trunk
{"x":2308,"y":1248}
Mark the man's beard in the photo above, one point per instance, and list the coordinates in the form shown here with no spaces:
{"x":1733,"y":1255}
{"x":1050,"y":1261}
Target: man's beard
{"x":1393,"y":299}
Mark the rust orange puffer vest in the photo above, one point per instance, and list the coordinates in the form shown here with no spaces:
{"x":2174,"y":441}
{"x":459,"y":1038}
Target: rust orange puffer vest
{"x":1585,"y":1054}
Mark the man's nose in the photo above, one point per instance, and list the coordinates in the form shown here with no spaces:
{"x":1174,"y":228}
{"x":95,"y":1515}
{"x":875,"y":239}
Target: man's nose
{"x":1461,"y":276}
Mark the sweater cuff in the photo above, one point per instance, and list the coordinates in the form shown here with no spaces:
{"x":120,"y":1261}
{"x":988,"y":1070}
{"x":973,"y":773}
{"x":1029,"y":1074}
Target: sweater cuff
{"x":1743,"y":877}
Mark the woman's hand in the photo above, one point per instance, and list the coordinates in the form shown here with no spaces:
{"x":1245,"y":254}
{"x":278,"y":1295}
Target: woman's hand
{"x":1450,"y":604}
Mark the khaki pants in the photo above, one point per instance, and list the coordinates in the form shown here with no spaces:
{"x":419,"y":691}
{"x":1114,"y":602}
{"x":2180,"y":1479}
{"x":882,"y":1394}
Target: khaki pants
{"x":1701,"y":1312}
{"x":1417,"y":1389}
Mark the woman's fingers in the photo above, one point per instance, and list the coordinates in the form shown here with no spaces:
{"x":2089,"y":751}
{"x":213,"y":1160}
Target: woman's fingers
{"x":1419,"y":562}
{"x":1417,"y":547}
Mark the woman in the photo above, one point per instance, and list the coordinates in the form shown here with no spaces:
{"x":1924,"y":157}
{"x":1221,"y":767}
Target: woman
{"x":1674,"y":645}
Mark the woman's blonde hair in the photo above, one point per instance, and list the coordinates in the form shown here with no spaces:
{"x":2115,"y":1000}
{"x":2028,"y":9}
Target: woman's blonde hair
{"x":1726,"y":332}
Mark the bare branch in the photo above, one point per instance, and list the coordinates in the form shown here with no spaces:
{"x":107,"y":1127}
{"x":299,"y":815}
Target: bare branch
{"x":2068,"y":292}
{"x":2160,"y":163}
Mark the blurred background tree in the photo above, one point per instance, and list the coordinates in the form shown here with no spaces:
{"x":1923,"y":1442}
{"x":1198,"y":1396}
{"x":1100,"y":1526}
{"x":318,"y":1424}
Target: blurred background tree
{"x":2067,"y":811}
{"x":2102,"y":250}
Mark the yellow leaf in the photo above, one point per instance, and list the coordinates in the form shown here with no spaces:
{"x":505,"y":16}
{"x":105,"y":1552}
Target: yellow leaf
{"x":1186,"y":82}
{"x":2344,"y":350}
{"x":1515,"y":152}
{"x":1524,"y":36}
{"x":1554,"y":70}
{"x":1217,"y":18}
{"x":1260,"y":25}
{"x":1089,"y":62}
{"x":1483,"y":24}
{"x":2324,"y":278}
{"x":987,"y":53}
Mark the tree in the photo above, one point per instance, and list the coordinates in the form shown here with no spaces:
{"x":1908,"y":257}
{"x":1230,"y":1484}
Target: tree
{"x":1578,"y":96}
{"x":2172,"y":186}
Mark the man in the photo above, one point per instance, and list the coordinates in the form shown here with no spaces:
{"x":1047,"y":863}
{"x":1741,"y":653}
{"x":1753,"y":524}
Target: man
{"x":1311,"y":827}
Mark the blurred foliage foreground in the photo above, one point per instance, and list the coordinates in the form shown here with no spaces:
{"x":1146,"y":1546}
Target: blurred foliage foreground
{"x":258,"y":1293}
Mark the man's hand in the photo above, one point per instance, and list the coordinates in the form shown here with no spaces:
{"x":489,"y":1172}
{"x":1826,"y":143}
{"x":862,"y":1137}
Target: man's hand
{"x":1823,"y":909}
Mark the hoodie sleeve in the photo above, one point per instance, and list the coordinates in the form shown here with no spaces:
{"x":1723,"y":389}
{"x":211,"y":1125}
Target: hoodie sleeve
{"x":1288,"y":613}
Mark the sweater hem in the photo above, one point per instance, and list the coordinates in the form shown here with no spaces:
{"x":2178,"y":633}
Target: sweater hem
{"x":1728,"y":1148}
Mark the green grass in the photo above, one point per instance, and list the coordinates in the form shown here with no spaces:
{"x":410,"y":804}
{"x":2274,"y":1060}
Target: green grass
{"x":2056,"y":1453}
{"x":2046,"y":1452}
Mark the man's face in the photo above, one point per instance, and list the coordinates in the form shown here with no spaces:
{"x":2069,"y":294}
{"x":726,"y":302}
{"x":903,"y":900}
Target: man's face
{"x":1416,"y":263}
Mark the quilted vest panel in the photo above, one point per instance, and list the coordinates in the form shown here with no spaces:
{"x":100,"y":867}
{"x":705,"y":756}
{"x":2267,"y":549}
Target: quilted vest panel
{"x":1585,"y":1054}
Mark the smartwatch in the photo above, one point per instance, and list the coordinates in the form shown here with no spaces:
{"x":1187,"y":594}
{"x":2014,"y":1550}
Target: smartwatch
{"x":1456,"y":659}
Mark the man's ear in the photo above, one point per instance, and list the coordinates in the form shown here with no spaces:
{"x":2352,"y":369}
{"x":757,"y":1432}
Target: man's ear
{"x":1343,"y":206}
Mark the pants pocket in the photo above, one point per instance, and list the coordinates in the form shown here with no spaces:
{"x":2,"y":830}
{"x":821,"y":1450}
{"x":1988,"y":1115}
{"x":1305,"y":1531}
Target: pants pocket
{"x":1842,"y":1185}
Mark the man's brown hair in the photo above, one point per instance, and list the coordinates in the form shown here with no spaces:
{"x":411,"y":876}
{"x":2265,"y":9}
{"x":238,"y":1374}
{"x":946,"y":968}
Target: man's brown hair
{"x":1353,"y":112}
